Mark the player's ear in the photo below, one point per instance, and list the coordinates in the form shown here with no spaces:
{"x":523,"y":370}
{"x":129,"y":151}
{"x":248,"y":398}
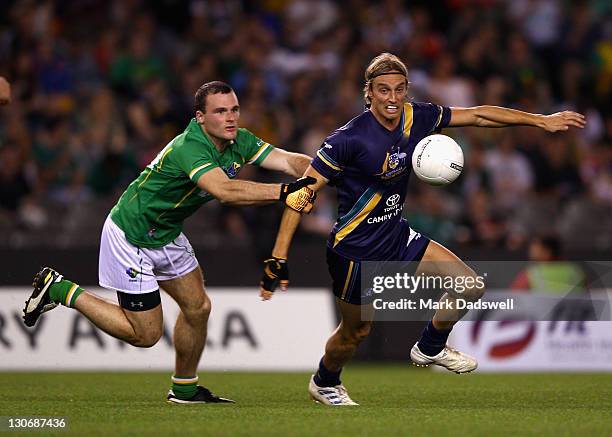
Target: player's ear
{"x":199,"y":115}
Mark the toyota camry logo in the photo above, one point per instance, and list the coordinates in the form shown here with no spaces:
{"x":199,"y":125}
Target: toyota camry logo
{"x":392,"y":200}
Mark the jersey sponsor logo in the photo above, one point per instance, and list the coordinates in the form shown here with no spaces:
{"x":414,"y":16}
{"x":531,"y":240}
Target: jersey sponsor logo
{"x":132,"y":272}
{"x":393,"y":209}
{"x":326,"y":145}
{"x":393,"y":199}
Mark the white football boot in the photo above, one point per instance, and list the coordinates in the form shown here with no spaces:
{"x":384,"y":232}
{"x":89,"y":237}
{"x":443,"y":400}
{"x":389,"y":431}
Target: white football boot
{"x":39,"y":302}
{"x":449,"y":358}
{"x":335,"y":396}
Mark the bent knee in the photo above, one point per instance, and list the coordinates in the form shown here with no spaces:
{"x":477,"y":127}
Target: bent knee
{"x":146,"y":339}
{"x":199,"y":313}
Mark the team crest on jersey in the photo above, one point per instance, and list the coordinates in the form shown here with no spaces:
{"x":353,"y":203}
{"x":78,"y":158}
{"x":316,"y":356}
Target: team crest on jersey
{"x":395,"y":159}
{"x":394,"y":165}
{"x":232,"y":169}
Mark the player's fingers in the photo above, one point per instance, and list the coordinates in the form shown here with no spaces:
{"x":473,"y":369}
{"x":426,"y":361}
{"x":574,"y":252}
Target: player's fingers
{"x":577,"y":123}
{"x":575,"y":117}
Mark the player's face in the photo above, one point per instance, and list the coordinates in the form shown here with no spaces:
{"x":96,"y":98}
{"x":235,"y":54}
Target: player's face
{"x":220,"y":121}
{"x":387,"y":95}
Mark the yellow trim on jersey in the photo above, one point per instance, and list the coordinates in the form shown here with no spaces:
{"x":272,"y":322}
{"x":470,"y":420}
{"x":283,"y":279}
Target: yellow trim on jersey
{"x":141,"y":184}
{"x":197,"y":169}
{"x":408,"y":118}
{"x":179,"y":202}
{"x":348,"y":279}
{"x":326,"y":161}
{"x":258,"y":154}
{"x":185,"y":197}
{"x":145,"y":179}
{"x":161,"y":161}
{"x":348,"y":228}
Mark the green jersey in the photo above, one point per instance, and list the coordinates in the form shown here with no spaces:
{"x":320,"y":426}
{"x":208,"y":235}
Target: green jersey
{"x":152,"y":209}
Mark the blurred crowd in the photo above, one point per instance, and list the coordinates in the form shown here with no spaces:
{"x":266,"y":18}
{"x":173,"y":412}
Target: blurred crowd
{"x":99,"y":87}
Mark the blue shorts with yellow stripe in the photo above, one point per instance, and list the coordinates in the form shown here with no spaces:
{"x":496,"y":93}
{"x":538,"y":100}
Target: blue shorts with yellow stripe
{"x":346,"y":273}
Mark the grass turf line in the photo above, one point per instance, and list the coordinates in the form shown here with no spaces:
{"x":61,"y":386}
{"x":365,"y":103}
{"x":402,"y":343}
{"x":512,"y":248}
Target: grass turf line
{"x":394,"y":400}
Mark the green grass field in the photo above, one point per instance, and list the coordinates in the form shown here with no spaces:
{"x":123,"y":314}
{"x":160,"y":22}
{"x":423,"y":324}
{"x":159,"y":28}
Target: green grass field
{"x":394,"y":400}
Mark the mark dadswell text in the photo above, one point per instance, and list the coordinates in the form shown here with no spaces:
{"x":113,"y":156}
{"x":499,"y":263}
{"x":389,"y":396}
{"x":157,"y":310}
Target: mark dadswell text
{"x":432,"y":304}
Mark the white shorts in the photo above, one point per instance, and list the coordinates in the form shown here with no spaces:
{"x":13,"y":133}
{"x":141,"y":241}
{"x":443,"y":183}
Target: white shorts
{"x":135,"y":270}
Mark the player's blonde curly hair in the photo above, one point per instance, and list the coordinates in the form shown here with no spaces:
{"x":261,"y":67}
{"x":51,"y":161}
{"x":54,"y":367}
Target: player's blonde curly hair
{"x":384,"y":63}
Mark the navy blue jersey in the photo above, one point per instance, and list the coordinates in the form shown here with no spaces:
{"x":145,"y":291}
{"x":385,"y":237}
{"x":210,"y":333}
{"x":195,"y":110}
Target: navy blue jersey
{"x":370,"y":166}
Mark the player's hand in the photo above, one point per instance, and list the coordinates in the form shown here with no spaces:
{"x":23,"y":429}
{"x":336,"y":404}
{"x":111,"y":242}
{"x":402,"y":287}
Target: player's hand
{"x":276,"y":272}
{"x":287,"y":189}
{"x":302,"y":200}
{"x":5,"y":91}
{"x":562,"y":121}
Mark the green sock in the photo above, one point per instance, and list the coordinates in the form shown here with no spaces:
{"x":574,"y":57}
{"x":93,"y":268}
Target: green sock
{"x":65,"y":292}
{"x":184,"y":387}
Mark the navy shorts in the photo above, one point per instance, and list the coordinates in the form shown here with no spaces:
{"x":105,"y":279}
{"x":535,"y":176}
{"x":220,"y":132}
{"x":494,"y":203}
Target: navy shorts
{"x":346,"y":273}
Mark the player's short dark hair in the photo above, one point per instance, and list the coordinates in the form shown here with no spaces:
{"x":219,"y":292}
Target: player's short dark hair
{"x":551,"y":243}
{"x":385,"y":63}
{"x":214,"y":87}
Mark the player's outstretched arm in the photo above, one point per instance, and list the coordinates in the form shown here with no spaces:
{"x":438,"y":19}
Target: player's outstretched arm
{"x":497,"y":116}
{"x":276,"y":269}
{"x":239,"y":192}
{"x":293,"y":164}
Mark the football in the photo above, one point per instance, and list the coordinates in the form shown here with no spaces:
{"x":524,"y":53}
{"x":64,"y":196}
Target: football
{"x":437,"y":160}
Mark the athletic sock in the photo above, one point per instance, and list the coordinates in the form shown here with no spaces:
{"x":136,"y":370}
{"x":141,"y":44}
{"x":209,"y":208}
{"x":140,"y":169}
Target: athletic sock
{"x":433,"y":340}
{"x":325,"y":377}
{"x":184,"y":387}
{"x":65,"y":292}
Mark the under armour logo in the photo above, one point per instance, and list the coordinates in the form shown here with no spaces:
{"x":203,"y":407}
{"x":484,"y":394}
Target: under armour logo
{"x":139,"y":304}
